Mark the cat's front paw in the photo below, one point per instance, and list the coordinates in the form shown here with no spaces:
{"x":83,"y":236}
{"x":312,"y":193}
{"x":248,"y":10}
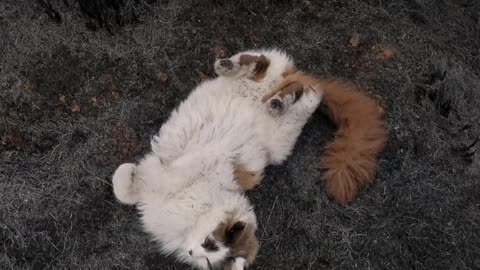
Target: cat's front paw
{"x":275,"y":106}
{"x":278,"y":104}
{"x":226,"y":67}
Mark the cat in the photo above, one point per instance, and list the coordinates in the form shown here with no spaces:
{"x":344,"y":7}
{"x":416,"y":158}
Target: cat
{"x":216,"y":144}
{"x":190,"y":188}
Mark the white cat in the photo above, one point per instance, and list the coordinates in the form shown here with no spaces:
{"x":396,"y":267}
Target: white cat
{"x":216,"y":144}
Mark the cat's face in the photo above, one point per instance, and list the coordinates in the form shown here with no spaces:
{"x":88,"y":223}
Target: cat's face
{"x":209,"y":253}
{"x":231,"y":240}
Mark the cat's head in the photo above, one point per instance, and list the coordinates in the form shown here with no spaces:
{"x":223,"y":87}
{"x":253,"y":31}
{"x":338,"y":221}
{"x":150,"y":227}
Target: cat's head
{"x":219,"y":233}
{"x":257,"y":65}
{"x":224,"y":242}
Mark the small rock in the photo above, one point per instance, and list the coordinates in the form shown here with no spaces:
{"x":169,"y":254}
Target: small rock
{"x":220,"y":52}
{"x":354,"y":41}
{"x":75,"y":107}
{"x":162,"y":76}
{"x":23,"y":85}
{"x":201,"y":75}
{"x":115,"y":95}
{"x":384,"y":53}
{"x":95,"y":102}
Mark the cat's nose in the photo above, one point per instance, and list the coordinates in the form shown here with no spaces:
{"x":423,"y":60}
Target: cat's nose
{"x":190,"y":252}
{"x":226,"y":63}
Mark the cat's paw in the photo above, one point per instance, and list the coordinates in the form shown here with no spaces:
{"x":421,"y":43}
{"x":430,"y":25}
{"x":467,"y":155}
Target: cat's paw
{"x":278,"y":104}
{"x":123,"y":184}
{"x":226,"y":67}
{"x":275,"y":106}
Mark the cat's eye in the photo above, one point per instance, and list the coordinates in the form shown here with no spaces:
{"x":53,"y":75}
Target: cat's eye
{"x":209,"y":245}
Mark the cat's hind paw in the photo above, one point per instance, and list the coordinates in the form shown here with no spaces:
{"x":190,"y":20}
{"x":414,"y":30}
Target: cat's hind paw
{"x":123,"y":184}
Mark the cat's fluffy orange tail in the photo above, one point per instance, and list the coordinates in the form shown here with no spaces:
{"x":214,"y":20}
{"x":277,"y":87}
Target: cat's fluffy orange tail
{"x":350,"y":160}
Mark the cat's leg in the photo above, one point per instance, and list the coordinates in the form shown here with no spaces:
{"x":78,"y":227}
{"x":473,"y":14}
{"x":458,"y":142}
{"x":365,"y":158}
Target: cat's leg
{"x":243,"y":66}
{"x":249,"y":166}
{"x":132,"y":182}
{"x":246,"y":178}
{"x":282,"y":137}
{"x":288,"y":91}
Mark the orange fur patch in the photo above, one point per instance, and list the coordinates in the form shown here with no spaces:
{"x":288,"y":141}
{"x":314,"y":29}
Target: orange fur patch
{"x":245,"y":178}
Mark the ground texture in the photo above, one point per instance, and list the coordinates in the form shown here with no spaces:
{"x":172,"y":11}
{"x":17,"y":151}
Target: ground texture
{"x":85,"y":84}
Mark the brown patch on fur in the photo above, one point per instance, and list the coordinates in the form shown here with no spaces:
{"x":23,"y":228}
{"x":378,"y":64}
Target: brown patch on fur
{"x":242,"y":243}
{"x":350,"y":160}
{"x":261,"y":64}
{"x":246,"y":178}
{"x":247,"y":59}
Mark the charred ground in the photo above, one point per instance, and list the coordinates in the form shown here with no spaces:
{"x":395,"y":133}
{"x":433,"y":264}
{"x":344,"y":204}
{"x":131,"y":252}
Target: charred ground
{"x":85,"y":84}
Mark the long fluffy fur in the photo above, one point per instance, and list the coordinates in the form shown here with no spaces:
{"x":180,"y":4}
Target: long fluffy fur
{"x":214,"y":146}
{"x":351,"y":158}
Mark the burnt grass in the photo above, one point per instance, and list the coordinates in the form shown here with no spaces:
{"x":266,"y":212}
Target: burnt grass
{"x":85,"y":84}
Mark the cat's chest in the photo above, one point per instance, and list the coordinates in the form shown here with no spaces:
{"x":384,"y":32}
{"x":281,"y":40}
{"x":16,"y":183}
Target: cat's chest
{"x":252,"y":90}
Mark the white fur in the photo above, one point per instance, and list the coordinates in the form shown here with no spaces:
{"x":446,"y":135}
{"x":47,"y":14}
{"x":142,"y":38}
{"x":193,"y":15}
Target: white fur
{"x":239,"y":264}
{"x":185,"y":187}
